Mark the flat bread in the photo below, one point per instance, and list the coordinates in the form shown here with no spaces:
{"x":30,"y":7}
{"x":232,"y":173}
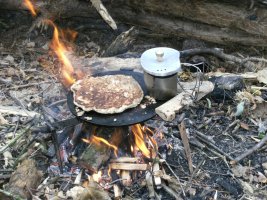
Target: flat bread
{"x":107,"y":94}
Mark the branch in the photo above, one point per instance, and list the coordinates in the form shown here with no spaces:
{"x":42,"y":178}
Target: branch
{"x":246,"y":62}
{"x":250,"y":151}
{"x":97,"y":4}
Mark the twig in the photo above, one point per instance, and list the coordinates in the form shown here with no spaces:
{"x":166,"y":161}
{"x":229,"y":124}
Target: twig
{"x":171,"y":192}
{"x":14,"y":140}
{"x":28,"y":85}
{"x":57,"y":102}
{"x":167,"y":164}
{"x":14,"y":196}
{"x":187,"y":149}
{"x":5,"y":81}
{"x":104,"y":13}
{"x":250,"y":151}
{"x":207,"y":141}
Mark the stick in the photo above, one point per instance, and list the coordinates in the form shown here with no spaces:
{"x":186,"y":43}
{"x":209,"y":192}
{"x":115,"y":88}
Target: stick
{"x":12,"y":110}
{"x":157,"y":179}
{"x":129,"y":166}
{"x":247,"y":62}
{"x":187,"y":149}
{"x":167,"y":110}
{"x":104,"y":13}
{"x":207,"y":141}
{"x":250,"y":151}
{"x":117,"y":191}
{"x":177,"y":178}
{"x":125,"y":160}
{"x":14,"y":140}
{"x":171,"y":192}
{"x":126,"y":178}
{"x":149,"y":184}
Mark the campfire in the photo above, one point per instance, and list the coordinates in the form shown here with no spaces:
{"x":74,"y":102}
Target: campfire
{"x":134,"y":147}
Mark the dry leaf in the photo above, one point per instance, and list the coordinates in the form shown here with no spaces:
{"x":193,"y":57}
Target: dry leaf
{"x":242,"y":171}
{"x":244,"y":126}
{"x":247,"y":173}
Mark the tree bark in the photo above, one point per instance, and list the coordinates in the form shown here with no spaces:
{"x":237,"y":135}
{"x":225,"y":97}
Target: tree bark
{"x":222,"y":22}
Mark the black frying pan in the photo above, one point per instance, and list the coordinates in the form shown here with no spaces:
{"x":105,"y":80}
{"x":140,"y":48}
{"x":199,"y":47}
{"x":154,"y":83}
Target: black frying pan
{"x":129,"y":116}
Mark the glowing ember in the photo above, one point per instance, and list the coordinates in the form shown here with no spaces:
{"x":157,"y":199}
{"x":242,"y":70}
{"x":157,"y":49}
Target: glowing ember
{"x":139,"y":139}
{"x":98,"y":140}
{"x":28,"y":4}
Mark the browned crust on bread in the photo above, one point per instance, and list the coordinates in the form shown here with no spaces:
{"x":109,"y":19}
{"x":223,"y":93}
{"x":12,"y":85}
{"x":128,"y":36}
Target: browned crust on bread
{"x":107,"y":94}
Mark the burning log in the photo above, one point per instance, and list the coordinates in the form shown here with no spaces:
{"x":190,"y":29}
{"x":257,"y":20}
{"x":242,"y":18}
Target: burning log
{"x":95,"y":156}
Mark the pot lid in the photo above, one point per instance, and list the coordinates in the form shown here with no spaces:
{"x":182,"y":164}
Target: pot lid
{"x":161,"y":61}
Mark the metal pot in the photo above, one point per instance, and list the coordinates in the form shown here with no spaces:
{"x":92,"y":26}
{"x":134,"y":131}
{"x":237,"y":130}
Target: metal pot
{"x":160,"y":67}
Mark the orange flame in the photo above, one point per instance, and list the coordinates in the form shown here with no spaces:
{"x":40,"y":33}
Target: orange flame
{"x":139,"y":139}
{"x":98,"y":140}
{"x":28,"y":4}
{"x":62,"y":51}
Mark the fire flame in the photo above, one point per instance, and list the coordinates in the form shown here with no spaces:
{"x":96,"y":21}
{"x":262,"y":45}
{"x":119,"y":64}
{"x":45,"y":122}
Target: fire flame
{"x":28,"y":4}
{"x":98,"y":140}
{"x":62,"y":51}
{"x":139,"y":139}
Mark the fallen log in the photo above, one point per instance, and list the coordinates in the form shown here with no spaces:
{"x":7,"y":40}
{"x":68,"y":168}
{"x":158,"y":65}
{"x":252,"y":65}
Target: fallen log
{"x":222,"y":22}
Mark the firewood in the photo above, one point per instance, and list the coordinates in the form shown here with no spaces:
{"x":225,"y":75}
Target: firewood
{"x":149,"y":184}
{"x":125,"y":160}
{"x":117,"y":191}
{"x":167,"y":110}
{"x":129,"y":166}
{"x":157,"y":179}
{"x":126,"y":178}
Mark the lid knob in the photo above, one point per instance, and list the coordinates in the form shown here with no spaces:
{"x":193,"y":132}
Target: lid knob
{"x":159,"y":53}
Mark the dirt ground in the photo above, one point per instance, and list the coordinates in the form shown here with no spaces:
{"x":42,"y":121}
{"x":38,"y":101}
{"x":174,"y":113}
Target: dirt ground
{"x":219,"y":129}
